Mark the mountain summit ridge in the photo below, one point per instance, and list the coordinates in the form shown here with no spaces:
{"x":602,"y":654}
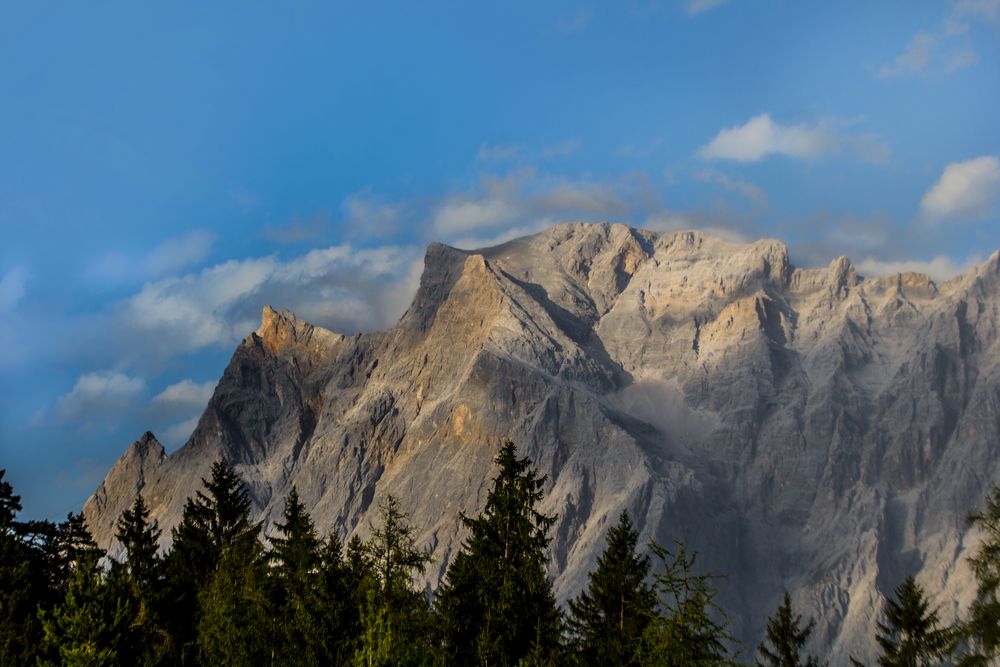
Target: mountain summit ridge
{"x":802,"y":428}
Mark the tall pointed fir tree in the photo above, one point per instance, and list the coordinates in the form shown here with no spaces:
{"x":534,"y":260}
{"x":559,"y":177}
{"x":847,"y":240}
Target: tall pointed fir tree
{"x":139,"y":581}
{"x":23,"y":584}
{"x":690,"y":627}
{"x":91,"y":624}
{"x":395,"y":617}
{"x":909,"y":633}
{"x":785,"y":638}
{"x":982,"y":628}
{"x":496,"y":602}
{"x":214,"y":521}
{"x":295,"y":583}
{"x":607,"y":620}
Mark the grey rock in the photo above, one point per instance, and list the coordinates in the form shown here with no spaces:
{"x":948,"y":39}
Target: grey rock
{"x":802,"y":429}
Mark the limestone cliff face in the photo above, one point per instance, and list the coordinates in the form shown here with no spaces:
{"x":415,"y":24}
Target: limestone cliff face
{"x":806,"y":429}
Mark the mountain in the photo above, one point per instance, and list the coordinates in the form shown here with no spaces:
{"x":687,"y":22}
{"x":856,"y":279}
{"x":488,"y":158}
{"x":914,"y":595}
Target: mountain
{"x":801,"y":428}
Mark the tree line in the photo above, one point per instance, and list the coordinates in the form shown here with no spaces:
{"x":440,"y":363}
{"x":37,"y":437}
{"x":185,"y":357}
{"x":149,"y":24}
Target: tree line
{"x":224,"y":594}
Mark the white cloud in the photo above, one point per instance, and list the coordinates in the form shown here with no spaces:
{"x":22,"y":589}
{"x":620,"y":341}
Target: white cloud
{"x":100,"y":394}
{"x":168,"y":257}
{"x":498,"y":152}
{"x":299,"y":230}
{"x":945,"y":48}
{"x":340,"y":287}
{"x":12,"y":289}
{"x":179,"y":433}
{"x":914,"y":58}
{"x":939,"y":268}
{"x":761,"y":137}
{"x":186,"y":394}
{"x":966,"y":190}
{"x":369,"y":215}
{"x":756,"y":195}
{"x":699,"y":6}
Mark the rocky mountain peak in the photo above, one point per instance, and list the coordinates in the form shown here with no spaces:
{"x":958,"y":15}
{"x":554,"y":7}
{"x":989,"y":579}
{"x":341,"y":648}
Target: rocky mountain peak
{"x":806,"y":429}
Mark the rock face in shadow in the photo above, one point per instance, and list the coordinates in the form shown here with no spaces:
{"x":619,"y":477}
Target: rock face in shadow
{"x":806,"y":429}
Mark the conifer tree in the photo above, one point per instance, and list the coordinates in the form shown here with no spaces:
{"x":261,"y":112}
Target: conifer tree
{"x":607,"y":620}
{"x":213,"y":520}
{"x":89,"y":626}
{"x":139,"y":582}
{"x":234,"y":627}
{"x":690,"y":628}
{"x":140,"y":540}
{"x":786,"y":636}
{"x":296,"y":586}
{"x":340,"y":601}
{"x":909,"y":634}
{"x":23,"y":584}
{"x":496,"y":603}
{"x":395,"y":618}
{"x":983,"y":625}
{"x":72,"y":544}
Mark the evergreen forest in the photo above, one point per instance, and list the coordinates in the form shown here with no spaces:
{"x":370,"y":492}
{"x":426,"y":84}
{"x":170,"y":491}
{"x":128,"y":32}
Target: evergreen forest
{"x":224,"y":593}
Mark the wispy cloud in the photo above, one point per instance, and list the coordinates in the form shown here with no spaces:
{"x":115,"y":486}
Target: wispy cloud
{"x":299,"y":230}
{"x":761,"y":137}
{"x":168,"y":257}
{"x":939,"y":268}
{"x":945,"y":48}
{"x":12,"y":289}
{"x":755,"y":194}
{"x":966,"y":190}
{"x":99,"y":394}
{"x":695,"y":7}
{"x":576,"y":21}
{"x":367,"y":214}
{"x":499,"y":152}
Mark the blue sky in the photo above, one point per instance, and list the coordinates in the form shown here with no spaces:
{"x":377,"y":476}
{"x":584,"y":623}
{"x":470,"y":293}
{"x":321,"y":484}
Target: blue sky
{"x":165,"y":172}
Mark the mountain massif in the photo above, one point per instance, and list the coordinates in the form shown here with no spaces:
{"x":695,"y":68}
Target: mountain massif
{"x":801,"y":428}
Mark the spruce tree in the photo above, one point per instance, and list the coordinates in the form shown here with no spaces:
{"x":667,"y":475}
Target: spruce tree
{"x":786,"y":636}
{"x":213,"y":520}
{"x":296,"y":586}
{"x":234,"y":626}
{"x":340,"y":601}
{"x":496,"y":602}
{"x":139,"y":582}
{"x":91,"y":625}
{"x":140,"y":540}
{"x":24,"y":584}
{"x":690,"y":628}
{"x":983,"y":625}
{"x":909,"y":634}
{"x":607,"y":620}
{"x":395,"y":617}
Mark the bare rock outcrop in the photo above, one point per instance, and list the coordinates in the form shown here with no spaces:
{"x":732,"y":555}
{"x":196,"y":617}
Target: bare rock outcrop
{"x":808,"y":429}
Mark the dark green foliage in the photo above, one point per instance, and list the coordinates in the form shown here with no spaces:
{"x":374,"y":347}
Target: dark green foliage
{"x":786,"y":636}
{"x":339,"y":601}
{"x":607,"y":620}
{"x":24,"y":584}
{"x":909,"y":634}
{"x":496,"y":603}
{"x":690,"y":628}
{"x":90,"y":625}
{"x":395,"y":618}
{"x":138,"y":583}
{"x":72,"y":545}
{"x":140,"y":540}
{"x":213,"y":521}
{"x":296,"y":587}
{"x":234,"y":627}
{"x":983,"y":625}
